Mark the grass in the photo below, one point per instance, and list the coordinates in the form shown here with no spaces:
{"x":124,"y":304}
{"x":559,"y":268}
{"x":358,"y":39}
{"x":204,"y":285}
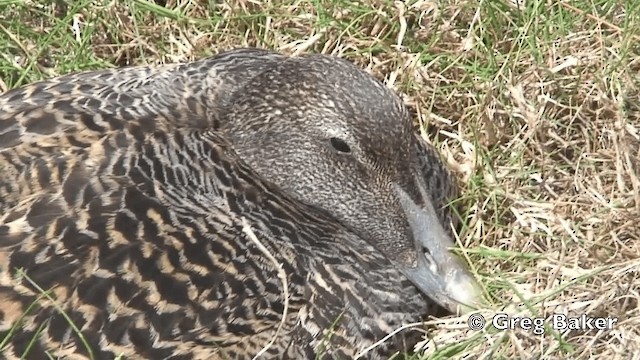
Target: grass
{"x":534,"y":105}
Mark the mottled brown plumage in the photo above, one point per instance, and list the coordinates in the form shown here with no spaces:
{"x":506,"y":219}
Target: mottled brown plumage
{"x":123,"y":195}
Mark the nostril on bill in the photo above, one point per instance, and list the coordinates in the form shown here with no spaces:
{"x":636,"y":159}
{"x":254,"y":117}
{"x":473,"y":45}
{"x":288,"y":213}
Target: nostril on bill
{"x":431,"y":262}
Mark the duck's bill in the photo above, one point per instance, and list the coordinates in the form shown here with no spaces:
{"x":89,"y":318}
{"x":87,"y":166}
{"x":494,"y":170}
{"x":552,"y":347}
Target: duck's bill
{"x":438,"y":273}
{"x":454,"y":289}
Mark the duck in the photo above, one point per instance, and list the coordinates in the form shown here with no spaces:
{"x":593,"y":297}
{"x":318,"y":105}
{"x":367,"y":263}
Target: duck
{"x":245,"y":205}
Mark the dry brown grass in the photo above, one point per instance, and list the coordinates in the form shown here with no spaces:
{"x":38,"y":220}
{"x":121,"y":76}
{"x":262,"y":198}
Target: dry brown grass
{"x":534,"y":106}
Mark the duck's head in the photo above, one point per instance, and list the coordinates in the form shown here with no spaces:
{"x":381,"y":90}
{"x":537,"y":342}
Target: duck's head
{"x":334,"y":137}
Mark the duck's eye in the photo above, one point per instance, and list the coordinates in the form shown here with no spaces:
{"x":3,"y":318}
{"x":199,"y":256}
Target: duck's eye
{"x":340,"y":145}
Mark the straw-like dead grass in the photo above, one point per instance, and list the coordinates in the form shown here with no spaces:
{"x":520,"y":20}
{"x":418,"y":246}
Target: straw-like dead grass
{"x":534,"y":105}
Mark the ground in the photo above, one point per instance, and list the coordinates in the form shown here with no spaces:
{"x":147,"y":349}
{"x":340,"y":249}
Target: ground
{"x":533,"y":104}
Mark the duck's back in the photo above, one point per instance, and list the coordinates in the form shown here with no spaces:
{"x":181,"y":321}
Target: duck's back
{"x":126,"y":228}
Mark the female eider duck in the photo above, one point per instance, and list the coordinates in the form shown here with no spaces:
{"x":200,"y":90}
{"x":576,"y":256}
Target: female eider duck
{"x":245,"y":205}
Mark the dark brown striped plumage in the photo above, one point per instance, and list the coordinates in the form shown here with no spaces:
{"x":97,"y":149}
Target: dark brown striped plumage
{"x":123,"y":194}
